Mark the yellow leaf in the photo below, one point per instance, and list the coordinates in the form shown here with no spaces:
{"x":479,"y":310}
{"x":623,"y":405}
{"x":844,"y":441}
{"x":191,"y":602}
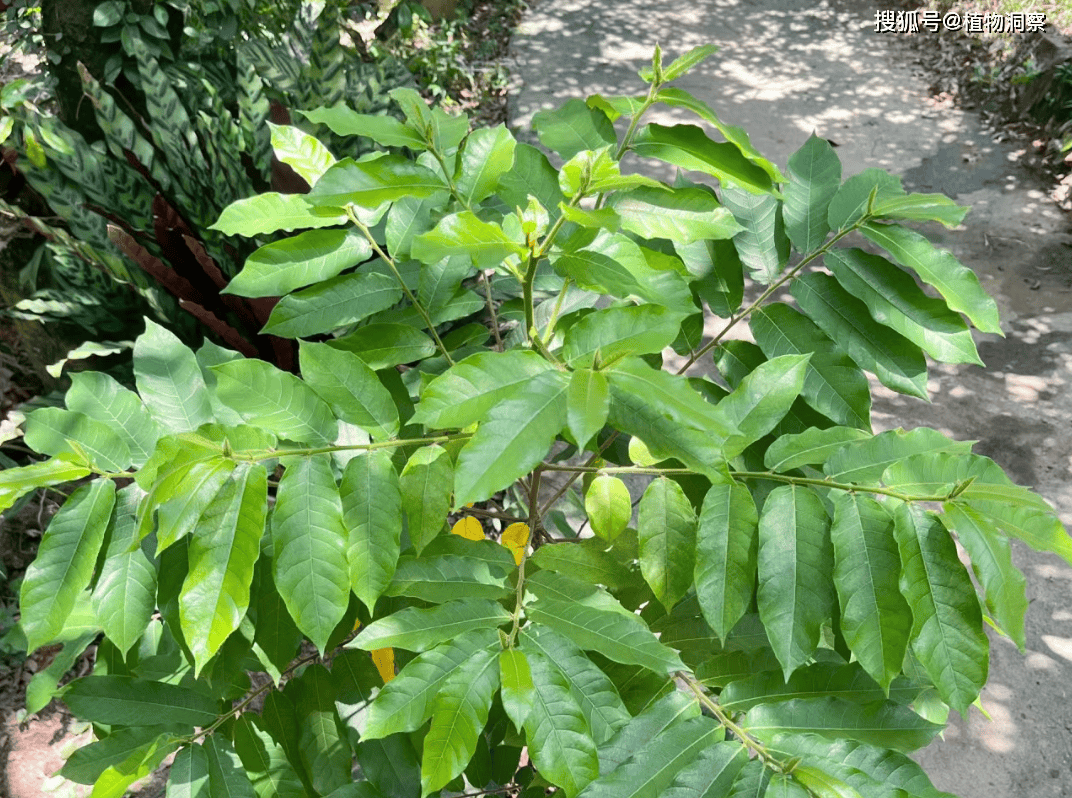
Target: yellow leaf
{"x":468,"y":528}
{"x":357,"y":624}
{"x":515,"y":538}
{"x":384,"y":660}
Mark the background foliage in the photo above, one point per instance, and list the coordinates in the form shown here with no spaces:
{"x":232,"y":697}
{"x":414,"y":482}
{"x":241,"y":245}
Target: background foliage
{"x":481,"y":340}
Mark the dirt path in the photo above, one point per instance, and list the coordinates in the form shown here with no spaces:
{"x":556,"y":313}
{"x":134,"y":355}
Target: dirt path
{"x":787,"y":68}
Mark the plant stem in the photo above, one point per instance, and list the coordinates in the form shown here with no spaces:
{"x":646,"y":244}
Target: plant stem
{"x":526,"y":295}
{"x":845,"y":486}
{"x":405,"y":288}
{"x":534,"y":519}
{"x":550,"y":331}
{"x":491,"y":309}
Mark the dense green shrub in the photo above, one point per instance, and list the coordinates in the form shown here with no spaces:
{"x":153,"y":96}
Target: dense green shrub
{"x":785,"y":613}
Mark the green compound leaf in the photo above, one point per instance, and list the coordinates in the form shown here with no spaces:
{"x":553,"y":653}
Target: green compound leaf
{"x":591,"y":688}
{"x":795,"y":561}
{"x":169,"y":380}
{"x":309,"y":542}
{"x":954,"y":281}
{"x":666,"y":527}
{"x":556,"y":731}
{"x":469,"y":389}
{"x":275,"y":400}
{"x":833,"y":385}
{"x":282,"y":266}
{"x":814,"y":178}
{"x":607,"y":335}
{"x":331,"y":304}
{"x":415,"y":629}
{"x":573,"y":128}
{"x":513,"y":440}
{"x":896,"y":301}
{"x":426,"y":484}
{"x":101,"y":398}
{"x":726,"y":545}
{"x":682,"y":216}
{"x":618,"y":636}
{"x":126,"y":701}
{"x":352,"y":390}
{"x":215,"y":594}
{"x":883,"y":724}
{"x":405,"y":703}
{"x":897,"y":362}
{"x":653,"y":768}
{"x":459,"y":712}
{"x":54,"y":431}
{"x":372,"y":511}
{"x":65,"y":562}
{"x":268,"y":213}
{"x":1003,"y":583}
{"x":301,"y":152}
{"x":875,"y":619}
{"x":947,"y":629}
{"x":609,"y":506}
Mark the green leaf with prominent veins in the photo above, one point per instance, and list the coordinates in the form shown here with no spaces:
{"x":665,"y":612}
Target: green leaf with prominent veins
{"x":876,"y":621}
{"x":611,"y":333}
{"x":301,"y":152}
{"x":514,"y":438}
{"x":845,"y":681}
{"x":867,"y":459}
{"x":469,"y":389}
{"x":459,"y":712}
{"x":672,"y":396}
{"x":54,"y":431}
{"x":488,"y":154}
{"x":215,"y":595}
{"x":264,"y":760}
{"x":126,"y":701}
{"x":683,"y":216}
{"x":591,"y":688}
{"x":101,"y":398}
{"x":585,"y":560}
{"x":669,"y":710}
{"x":415,"y":629}
{"x":559,"y":740}
{"x":814,"y":179}
{"x":795,"y":561}
{"x":897,"y":362}
{"x":947,"y":629}
{"x":572,"y":128}
{"x":811,"y":447}
{"x":405,"y":702}
{"x":65,"y":562}
{"x":609,"y":506}
{"x":762,"y":243}
{"x":385,"y":345}
{"x":374,"y":182}
{"x":763,"y":398}
{"x":445,"y":578}
{"x":896,"y":301}
{"x":726,"y":545}
{"x":276,"y":400}
{"x":309,"y":543}
{"x":587,"y":402}
{"x":688,"y":147}
{"x":14,"y":482}
{"x":169,"y":380}
{"x":426,"y":483}
{"x":177,"y":517}
{"x":515,"y":677}
{"x":921,"y":208}
{"x":125,"y":594}
{"x":849,"y":205}
{"x":937,"y":267}
{"x":1003,"y":583}
{"x":441,"y":131}
{"x":282,"y":266}
{"x":338,"y":302}
{"x":833,"y":385}
{"x":352,"y":390}
{"x":883,"y":724}
{"x":485,"y":243}
{"x":372,"y":511}
{"x":666,"y":526}
{"x":322,"y":745}
{"x":618,"y":636}
{"x":225,"y":772}
{"x":711,"y":774}
{"x":272,"y":211}
{"x":384,"y":130}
